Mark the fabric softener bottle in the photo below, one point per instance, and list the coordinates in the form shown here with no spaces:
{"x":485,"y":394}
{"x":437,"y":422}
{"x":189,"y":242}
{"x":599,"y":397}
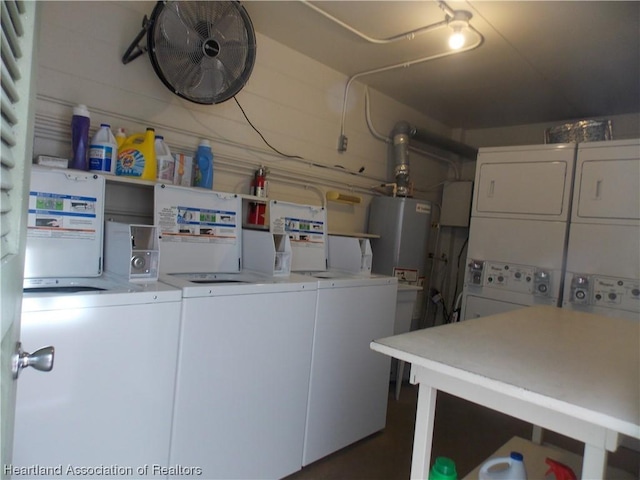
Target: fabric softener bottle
{"x":204,"y":166}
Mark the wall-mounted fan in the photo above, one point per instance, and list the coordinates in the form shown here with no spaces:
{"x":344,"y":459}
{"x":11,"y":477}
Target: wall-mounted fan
{"x":202,"y":51}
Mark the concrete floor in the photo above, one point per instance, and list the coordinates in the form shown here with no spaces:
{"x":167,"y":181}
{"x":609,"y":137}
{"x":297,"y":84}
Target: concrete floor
{"x":464,"y":432}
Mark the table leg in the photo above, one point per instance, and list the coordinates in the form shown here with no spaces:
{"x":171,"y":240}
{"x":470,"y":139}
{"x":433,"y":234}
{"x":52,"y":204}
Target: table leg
{"x":594,"y":462}
{"x":536,"y":435}
{"x":399,"y":375}
{"x":423,"y":436}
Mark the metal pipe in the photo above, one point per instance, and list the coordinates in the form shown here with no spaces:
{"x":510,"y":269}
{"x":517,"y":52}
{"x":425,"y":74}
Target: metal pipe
{"x":400,"y":136}
{"x":379,"y":136}
{"x":444,"y":143}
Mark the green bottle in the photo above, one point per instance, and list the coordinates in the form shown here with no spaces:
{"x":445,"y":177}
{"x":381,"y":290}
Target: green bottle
{"x":443,"y":469}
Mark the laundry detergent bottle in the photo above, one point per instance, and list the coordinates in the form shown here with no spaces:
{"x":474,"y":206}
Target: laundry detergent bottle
{"x":137,"y":156}
{"x":80,"y":138}
{"x":204,"y":165}
{"x":504,"y":468}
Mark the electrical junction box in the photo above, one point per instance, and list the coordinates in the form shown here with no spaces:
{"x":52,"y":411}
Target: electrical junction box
{"x":456,"y":204}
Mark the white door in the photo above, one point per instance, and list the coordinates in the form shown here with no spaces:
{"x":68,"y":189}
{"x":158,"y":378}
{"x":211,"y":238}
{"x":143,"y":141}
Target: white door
{"x":607,"y":183}
{"x":18,"y":98}
{"x":529,"y":182}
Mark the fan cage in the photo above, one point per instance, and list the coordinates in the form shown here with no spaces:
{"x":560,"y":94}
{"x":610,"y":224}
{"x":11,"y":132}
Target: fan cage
{"x":203,"y":52}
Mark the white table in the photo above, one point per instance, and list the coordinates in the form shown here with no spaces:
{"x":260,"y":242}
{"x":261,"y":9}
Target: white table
{"x":574,"y":373}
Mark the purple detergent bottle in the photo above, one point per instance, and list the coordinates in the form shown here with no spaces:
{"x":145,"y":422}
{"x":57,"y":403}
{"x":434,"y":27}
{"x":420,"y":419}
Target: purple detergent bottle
{"x":80,"y":138}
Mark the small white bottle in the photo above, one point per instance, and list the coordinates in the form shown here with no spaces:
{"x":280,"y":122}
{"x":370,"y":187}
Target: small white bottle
{"x":103,"y":151}
{"x":164,"y":160}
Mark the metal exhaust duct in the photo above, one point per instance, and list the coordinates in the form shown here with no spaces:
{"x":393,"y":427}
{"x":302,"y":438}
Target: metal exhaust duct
{"x":403,"y":133}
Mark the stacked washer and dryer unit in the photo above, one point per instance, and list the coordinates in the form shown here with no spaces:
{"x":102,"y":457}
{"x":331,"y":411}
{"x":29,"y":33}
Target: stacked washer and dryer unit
{"x":603,"y":257}
{"x":107,"y":403}
{"x":519,"y":228}
{"x":349,"y":385}
{"x":557,"y":225}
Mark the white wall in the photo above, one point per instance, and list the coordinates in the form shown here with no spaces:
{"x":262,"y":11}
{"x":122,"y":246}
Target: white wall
{"x":294,"y":101}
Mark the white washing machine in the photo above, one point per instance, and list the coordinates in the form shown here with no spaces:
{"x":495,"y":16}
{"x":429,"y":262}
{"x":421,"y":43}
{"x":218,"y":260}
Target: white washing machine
{"x":243,"y":374}
{"x":108,"y":400}
{"x":245,"y":343}
{"x":519,"y":228}
{"x":349,"y":385}
{"x":603,"y":261}
{"x":106,"y":405}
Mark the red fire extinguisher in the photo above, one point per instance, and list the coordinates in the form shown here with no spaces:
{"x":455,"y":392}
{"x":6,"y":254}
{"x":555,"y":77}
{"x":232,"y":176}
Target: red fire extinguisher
{"x":257,"y":210}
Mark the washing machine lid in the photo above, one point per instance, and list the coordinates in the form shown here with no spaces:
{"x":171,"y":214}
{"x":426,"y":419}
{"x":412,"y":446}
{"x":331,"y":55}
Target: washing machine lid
{"x":85,"y":292}
{"x":241,"y":283}
{"x":338,"y":279}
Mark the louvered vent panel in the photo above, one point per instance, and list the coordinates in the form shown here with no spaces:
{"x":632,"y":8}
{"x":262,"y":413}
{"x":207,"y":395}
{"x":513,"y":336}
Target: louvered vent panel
{"x":14,"y":117}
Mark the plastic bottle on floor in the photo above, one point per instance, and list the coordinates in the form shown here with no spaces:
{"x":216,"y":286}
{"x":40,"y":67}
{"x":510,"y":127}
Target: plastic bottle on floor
{"x":504,"y":468}
{"x":443,"y":469}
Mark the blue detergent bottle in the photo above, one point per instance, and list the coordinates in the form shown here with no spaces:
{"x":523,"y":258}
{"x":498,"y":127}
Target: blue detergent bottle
{"x":204,"y":166}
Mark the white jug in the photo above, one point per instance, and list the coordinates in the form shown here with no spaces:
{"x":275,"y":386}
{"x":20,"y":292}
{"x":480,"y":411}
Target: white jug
{"x":504,"y":468}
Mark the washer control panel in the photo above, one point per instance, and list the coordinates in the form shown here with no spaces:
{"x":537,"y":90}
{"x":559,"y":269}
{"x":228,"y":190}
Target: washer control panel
{"x":512,"y":277}
{"x":611,"y":292}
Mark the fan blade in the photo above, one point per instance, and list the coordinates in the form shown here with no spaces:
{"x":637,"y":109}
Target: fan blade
{"x":174,"y":32}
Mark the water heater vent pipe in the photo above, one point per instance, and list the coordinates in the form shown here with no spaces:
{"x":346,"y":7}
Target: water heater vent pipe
{"x":400,"y":137}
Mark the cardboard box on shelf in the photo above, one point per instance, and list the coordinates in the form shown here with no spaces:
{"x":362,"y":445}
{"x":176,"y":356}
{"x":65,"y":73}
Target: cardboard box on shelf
{"x":183,"y":170}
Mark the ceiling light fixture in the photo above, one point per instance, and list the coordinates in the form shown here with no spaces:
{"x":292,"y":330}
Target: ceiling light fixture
{"x":458,"y":23}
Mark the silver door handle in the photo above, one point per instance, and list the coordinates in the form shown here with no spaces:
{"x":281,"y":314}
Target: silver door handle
{"x":41,"y":359}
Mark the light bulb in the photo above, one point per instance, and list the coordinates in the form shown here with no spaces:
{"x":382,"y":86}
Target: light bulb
{"x":456,"y":40}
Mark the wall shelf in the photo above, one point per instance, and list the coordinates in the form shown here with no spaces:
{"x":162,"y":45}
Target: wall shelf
{"x":354,"y":234}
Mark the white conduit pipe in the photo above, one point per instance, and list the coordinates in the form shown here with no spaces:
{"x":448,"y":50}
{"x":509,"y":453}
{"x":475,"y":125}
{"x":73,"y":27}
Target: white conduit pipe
{"x":405,"y":65}
{"x":410,"y":35}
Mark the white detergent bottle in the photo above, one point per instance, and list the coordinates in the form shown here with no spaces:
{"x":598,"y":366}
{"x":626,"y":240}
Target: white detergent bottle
{"x":164,"y":159}
{"x":103,"y":151}
{"x":504,"y":468}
